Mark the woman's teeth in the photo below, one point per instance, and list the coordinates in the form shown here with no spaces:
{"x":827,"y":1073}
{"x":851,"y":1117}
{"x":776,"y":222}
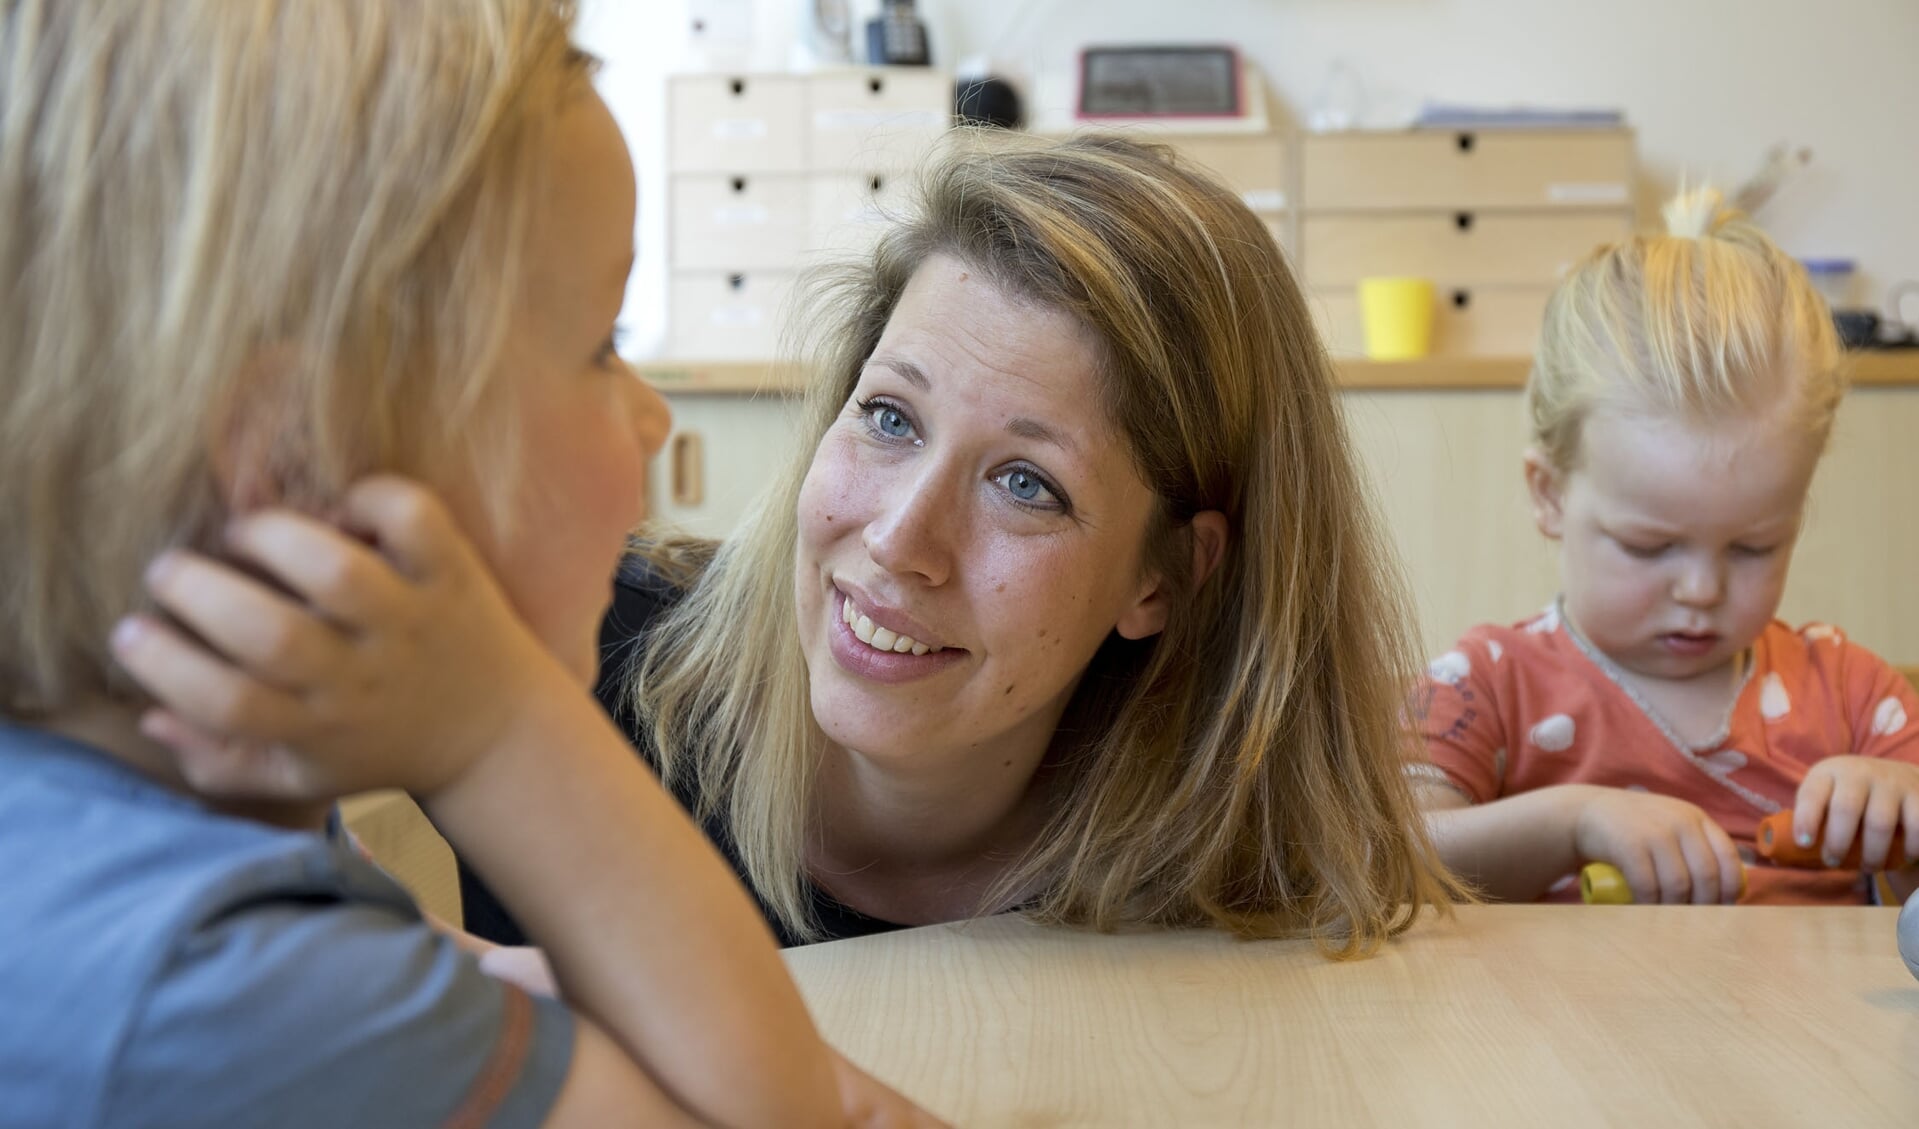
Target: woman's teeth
{"x":879,"y":638}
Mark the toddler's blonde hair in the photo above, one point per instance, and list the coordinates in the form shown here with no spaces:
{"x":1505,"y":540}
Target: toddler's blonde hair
{"x":1708,"y":320}
{"x":275,"y":242}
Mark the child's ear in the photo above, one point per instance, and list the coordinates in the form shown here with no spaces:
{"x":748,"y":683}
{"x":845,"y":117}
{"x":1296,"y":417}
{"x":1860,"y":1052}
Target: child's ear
{"x":261,"y":448}
{"x":1209,"y":533}
{"x":1547,"y":486}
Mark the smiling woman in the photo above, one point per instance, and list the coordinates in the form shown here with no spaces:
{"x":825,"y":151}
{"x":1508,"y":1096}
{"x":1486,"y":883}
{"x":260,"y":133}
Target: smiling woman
{"x":1074,"y":604}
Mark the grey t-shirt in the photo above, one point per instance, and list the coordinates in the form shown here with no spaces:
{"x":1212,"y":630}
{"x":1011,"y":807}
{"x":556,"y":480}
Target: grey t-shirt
{"x":163,"y":965}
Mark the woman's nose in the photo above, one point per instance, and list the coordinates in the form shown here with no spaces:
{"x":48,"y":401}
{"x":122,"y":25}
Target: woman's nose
{"x":910,"y":534}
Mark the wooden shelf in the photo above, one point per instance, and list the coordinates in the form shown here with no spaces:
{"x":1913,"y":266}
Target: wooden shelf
{"x":1890,"y":368}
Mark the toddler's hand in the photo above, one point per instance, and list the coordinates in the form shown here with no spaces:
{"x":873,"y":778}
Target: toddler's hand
{"x":392,"y":660}
{"x":1858,"y":797}
{"x":1670,"y":851}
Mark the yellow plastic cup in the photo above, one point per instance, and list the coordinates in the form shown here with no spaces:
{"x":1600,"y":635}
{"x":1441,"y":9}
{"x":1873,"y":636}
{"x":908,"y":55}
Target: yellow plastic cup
{"x":1397,"y":314}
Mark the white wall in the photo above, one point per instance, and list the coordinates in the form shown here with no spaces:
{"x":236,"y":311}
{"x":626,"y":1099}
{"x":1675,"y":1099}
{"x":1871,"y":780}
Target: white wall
{"x":1709,"y":85}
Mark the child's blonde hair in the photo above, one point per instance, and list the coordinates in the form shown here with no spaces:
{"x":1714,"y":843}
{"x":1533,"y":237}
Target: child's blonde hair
{"x":248,"y":250}
{"x":1709,"y":319}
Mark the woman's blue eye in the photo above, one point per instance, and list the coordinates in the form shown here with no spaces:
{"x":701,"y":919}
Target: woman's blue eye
{"x":891,"y":422}
{"x":1024,"y":486}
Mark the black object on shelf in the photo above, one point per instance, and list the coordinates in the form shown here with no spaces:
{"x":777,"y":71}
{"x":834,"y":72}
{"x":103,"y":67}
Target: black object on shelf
{"x":988,"y":101}
{"x":896,"y":37}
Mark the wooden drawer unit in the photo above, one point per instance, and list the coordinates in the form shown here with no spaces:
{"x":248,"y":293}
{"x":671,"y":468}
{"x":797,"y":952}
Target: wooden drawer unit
{"x":715,"y":315}
{"x":1253,"y":165}
{"x":742,"y":222}
{"x":1470,"y":322}
{"x":736,"y":124}
{"x":1462,"y":248}
{"x":849,"y":212}
{"x":1467,"y":170}
{"x":876,"y":119}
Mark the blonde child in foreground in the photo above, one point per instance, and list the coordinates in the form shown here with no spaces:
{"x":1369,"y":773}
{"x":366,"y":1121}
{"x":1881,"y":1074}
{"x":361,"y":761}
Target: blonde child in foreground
{"x":252,"y":253}
{"x":1683,"y":393}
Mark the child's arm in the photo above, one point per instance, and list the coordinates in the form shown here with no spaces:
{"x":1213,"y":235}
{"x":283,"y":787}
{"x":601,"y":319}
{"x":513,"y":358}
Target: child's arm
{"x":417,"y":674}
{"x":1517,"y":846}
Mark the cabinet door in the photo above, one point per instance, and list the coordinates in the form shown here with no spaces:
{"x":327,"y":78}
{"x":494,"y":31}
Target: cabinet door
{"x":724,"y":450}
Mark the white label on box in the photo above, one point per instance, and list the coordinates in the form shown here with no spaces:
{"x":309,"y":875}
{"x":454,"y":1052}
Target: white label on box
{"x":838,"y":121}
{"x":736,"y":317}
{"x":1588,"y":192}
{"x":739,"y":129}
{"x":739,"y":215}
{"x":1265,"y":200}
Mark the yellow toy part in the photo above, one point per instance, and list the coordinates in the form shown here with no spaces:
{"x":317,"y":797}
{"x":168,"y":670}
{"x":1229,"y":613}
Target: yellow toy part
{"x":1602,"y":884}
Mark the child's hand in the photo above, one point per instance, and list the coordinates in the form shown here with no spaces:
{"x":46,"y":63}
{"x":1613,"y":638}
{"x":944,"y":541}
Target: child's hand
{"x":1670,"y":851}
{"x":1864,"y":797}
{"x":395,"y":661}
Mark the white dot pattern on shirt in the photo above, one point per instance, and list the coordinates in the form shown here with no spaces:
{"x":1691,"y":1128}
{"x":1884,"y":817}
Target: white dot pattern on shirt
{"x":1724,"y":763}
{"x":1450,"y":668}
{"x":1774,"y":702}
{"x":1888,"y":717}
{"x":1554,"y":734}
{"x":1495,"y":650}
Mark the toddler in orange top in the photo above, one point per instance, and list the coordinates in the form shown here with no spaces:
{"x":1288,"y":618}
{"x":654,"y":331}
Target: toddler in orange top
{"x":1684,"y":389}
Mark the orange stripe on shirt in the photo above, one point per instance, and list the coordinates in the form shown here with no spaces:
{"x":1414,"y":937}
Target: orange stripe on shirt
{"x":502,"y":1068}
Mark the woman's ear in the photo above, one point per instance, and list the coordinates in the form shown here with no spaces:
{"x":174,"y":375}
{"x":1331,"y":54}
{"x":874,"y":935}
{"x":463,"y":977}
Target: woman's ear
{"x":1208,"y":534}
{"x":1547,"y":486}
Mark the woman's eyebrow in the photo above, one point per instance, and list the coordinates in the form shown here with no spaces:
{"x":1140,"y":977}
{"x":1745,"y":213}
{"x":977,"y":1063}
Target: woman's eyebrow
{"x":910,"y":372}
{"x":1041,"y":433}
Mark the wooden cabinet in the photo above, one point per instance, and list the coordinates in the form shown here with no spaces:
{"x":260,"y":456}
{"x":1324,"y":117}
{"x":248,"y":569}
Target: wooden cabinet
{"x":1492,"y":218}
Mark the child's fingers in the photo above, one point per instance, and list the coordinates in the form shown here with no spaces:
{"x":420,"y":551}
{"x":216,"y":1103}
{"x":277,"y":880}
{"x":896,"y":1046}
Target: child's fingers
{"x":1809,"y":806}
{"x":1732,"y":868}
{"x":199,"y":688}
{"x":408,"y":523}
{"x":347,"y":581}
{"x":1702,"y":868}
{"x":216,"y":765}
{"x":1674,"y":875}
{"x":1843,"y":813}
{"x":1641,"y":874}
{"x":243,"y":619}
{"x":1876,"y":830}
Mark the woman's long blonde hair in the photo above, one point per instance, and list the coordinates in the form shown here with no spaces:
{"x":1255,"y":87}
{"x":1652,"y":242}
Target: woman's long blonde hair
{"x":1244,"y":767}
{"x":1709,"y":319}
{"x":292,"y":227}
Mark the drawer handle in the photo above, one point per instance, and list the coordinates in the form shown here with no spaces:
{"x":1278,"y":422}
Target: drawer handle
{"x":876,"y":184}
{"x":1463,"y":221}
{"x":687,"y":470}
{"x":876,"y":84}
{"x":736,"y":282}
{"x":1462,"y":299}
{"x":739,"y":184}
{"x":739,"y":86}
{"x":1465,"y":143}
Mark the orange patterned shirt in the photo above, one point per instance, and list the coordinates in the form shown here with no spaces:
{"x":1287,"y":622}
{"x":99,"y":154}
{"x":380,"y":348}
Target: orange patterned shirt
{"x":1512,"y":709}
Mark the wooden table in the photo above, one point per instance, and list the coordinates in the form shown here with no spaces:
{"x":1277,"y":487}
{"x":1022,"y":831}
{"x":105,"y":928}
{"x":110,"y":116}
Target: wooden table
{"x":1512,"y":1015}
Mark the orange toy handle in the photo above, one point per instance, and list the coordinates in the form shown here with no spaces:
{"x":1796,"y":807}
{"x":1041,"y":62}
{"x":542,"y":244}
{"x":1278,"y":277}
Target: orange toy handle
{"x":1775,"y":844}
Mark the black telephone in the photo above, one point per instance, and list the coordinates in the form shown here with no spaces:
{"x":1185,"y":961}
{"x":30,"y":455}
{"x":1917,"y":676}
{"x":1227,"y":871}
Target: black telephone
{"x":896,"y":37}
